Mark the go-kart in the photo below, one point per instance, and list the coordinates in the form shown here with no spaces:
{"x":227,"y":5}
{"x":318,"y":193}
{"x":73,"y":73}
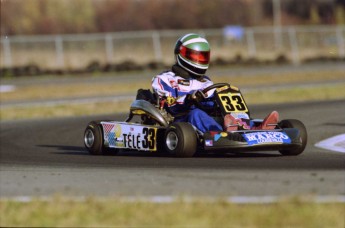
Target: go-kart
{"x":149,"y":127}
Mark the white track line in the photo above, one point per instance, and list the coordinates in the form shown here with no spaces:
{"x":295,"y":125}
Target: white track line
{"x":7,"y":88}
{"x":336,"y":143}
{"x":172,"y":199}
{"x":52,"y":103}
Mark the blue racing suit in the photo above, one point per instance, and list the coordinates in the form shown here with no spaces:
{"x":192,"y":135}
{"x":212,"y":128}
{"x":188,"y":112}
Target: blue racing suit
{"x":176,"y":88}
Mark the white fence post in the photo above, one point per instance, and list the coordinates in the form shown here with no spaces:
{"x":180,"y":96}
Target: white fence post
{"x":60,"y":60}
{"x":294,"y":46}
{"x":109,"y":48}
{"x":251,"y":43}
{"x":7,"y":51}
{"x":277,"y":24}
{"x":157,"y":46}
{"x":340,"y":42}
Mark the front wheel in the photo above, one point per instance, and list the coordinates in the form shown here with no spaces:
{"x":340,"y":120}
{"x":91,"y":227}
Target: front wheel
{"x":93,"y":140}
{"x":180,"y":140}
{"x":292,"y":123}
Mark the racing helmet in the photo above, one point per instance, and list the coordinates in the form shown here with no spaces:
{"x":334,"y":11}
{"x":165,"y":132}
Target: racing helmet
{"x":192,"y":53}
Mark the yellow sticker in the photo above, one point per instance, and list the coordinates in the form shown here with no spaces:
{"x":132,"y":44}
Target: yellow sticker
{"x":224,"y":134}
{"x":138,"y":112}
{"x":222,"y":88}
{"x":234,"y":88}
{"x":117,"y":131}
{"x":171,"y":100}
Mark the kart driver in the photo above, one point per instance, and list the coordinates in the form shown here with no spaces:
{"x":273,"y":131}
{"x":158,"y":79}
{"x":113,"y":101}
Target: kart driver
{"x":181,"y":87}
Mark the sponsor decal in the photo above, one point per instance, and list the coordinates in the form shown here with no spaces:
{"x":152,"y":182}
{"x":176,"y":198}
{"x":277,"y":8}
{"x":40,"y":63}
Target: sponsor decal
{"x":129,"y":136}
{"x":143,"y":138}
{"x":224,"y":134}
{"x":240,"y":115}
{"x":208,"y":142}
{"x":138,"y":112}
{"x":119,"y":142}
{"x":183,"y":82}
{"x":266,"y":137}
{"x":220,"y":135}
{"x":171,"y":100}
{"x":109,"y":134}
{"x":117,"y":130}
{"x":222,"y":89}
{"x":173,"y":84}
{"x":234,"y":88}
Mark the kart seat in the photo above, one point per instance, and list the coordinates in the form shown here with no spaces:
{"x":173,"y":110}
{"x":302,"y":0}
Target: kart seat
{"x":147,"y":95}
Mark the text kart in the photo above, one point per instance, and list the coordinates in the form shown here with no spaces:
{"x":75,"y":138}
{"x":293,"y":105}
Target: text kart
{"x":150,"y":128}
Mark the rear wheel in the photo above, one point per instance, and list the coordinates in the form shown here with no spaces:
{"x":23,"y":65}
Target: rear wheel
{"x":292,"y":123}
{"x":180,"y":140}
{"x":93,"y":140}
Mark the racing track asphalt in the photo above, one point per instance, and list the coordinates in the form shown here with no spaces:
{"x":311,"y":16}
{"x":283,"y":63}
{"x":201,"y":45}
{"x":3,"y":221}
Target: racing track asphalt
{"x":46,"y":157}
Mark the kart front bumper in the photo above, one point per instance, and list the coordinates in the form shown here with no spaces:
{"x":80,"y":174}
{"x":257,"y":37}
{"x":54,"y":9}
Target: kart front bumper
{"x":249,"y":140}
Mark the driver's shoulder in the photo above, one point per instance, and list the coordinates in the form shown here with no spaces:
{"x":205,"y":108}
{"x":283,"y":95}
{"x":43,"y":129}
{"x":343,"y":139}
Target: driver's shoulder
{"x":205,"y":81}
{"x":206,"y":78}
{"x":165,"y":75}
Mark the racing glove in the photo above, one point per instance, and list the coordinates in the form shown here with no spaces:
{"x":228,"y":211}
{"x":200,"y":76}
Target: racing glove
{"x":195,"y":97}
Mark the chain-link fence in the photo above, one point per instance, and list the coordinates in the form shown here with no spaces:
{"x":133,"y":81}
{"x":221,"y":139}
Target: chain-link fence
{"x":296,"y":43}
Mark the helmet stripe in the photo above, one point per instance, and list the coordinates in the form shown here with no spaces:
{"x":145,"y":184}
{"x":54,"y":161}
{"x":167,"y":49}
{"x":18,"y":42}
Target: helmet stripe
{"x":189,"y":34}
{"x":195,"y":40}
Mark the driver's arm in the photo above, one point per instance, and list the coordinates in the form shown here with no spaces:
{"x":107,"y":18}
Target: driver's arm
{"x":163,"y":88}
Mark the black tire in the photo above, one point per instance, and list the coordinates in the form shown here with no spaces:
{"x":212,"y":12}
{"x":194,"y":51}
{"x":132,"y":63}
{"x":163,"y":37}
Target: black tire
{"x":180,"y":140}
{"x":292,"y":123}
{"x":93,"y":140}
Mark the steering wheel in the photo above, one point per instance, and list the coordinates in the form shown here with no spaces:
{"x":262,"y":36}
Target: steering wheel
{"x":214,"y":86}
{"x":204,"y":91}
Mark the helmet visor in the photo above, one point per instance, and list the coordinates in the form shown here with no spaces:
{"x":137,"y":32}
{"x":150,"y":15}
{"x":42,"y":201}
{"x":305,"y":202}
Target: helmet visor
{"x":201,"y":57}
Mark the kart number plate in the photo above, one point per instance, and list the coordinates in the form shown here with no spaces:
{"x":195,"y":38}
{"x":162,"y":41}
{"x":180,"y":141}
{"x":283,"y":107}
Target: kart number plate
{"x":232,"y":102}
{"x":254,"y":138}
{"x":130,"y":136}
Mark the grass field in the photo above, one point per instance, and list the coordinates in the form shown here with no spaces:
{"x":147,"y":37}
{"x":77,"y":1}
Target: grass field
{"x":113,"y":212}
{"x":255,"y":97}
{"x":279,"y":94}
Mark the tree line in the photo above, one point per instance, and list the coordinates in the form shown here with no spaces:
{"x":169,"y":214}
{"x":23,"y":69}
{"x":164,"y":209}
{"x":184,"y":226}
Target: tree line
{"x":26,"y":17}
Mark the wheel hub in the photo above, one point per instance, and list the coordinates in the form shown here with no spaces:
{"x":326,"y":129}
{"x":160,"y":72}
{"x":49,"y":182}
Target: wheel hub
{"x":171,"y":140}
{"x":89,"y":138}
